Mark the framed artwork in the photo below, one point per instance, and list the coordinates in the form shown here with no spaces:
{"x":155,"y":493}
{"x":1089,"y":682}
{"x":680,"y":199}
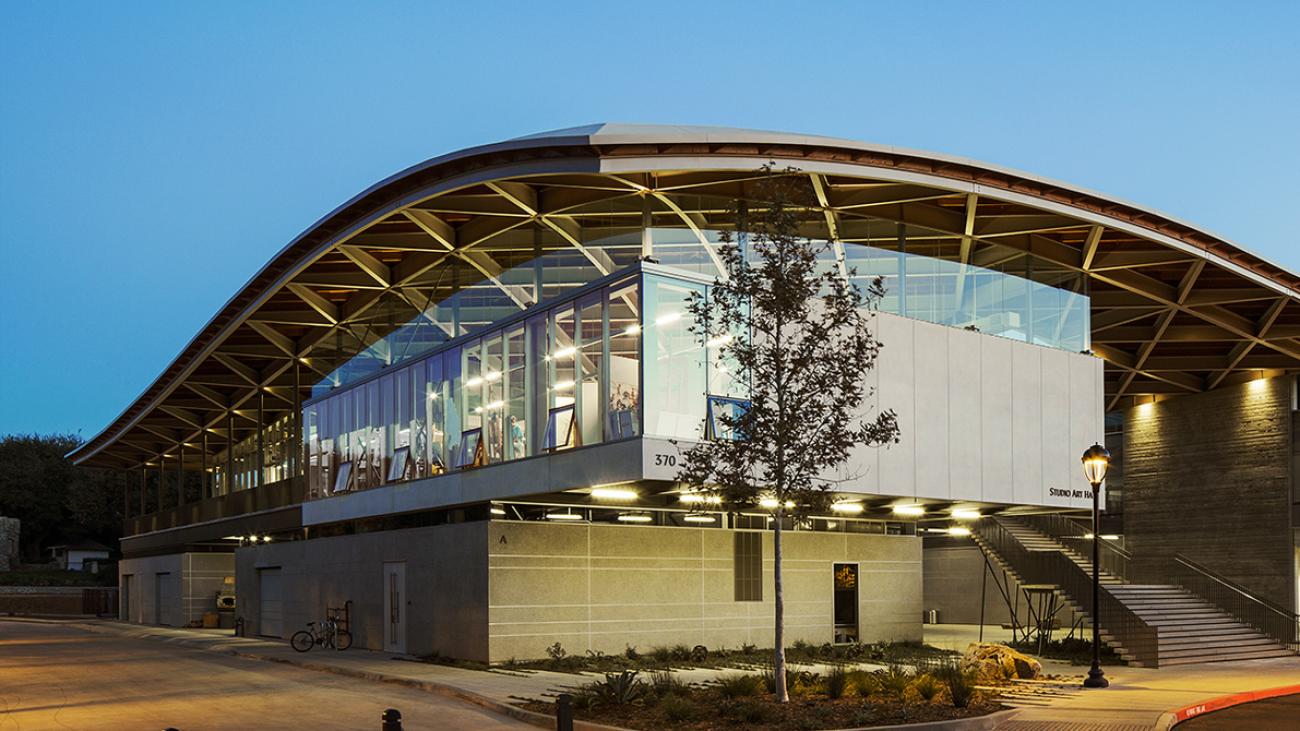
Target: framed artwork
{"x":343,"y":478}
{"x":724,"y":412}
{"x":471,"y":448}
{"x":560,"y":428}
{"x":398,"y":467}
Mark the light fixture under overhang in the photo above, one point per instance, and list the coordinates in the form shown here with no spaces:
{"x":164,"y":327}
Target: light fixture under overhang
{"x":614,"y":493}
{"x":848,"y":507}
{"x":909,"y":510}
{"x":958,"y":530}
{"x":772,"y":503}
{"x":634,"y":518}
{"x":699,"y":519}
{"x":566,"y":352}
{"x":965,"y":514}
{"x":563,"y":516}
{"x":696,"y":498}
{"x":497,"y":511}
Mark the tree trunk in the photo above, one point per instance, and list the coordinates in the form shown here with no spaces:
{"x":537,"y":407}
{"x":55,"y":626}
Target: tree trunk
{"x":782,"y":693}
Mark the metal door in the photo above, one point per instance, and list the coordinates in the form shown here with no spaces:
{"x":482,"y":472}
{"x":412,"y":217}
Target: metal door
{"x":395,"y":606}
{"x":271,"y":605}
{"x":161,"y":597}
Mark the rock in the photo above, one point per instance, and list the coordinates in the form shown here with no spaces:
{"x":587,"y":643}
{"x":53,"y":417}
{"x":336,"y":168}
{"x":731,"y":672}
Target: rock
{"x":993,"y":663}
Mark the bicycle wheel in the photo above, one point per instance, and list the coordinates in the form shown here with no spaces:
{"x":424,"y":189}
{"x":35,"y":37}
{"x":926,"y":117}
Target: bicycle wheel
{"x":302,"y":640}
{"x":343,"y":639}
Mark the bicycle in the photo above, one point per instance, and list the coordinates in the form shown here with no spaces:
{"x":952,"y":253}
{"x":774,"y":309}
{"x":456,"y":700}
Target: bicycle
{"x":327,"y":634}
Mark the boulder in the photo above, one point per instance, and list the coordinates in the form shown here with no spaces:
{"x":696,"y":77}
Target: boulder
{"x":993,"y":663}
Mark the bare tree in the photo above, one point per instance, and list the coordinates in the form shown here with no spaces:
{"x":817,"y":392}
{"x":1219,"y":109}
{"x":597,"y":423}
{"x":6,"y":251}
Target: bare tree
{"x":795,"y":336}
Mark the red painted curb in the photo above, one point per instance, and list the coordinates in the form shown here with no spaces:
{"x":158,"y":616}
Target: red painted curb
{"x":1227,"y":701}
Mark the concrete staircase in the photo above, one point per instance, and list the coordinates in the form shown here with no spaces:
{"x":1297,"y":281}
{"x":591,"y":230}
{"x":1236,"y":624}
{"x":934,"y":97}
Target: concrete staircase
{"x":1190,"y":629}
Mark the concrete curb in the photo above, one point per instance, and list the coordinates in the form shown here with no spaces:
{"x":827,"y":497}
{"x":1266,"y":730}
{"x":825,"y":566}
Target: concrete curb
{"x":1169,"y":719}
{"x":541,"y":720}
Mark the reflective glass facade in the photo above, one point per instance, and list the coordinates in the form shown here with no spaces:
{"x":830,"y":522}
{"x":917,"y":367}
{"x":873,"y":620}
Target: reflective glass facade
{"x":614,"y":360}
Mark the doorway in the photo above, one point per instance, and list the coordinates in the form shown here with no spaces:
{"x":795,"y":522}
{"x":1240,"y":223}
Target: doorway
{"x":845,"y":577}
{"x":270,"y":603}
{"x":395,"y":603}
{"x":126,"y":597}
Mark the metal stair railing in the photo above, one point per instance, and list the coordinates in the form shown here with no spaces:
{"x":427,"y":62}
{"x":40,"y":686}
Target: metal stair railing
{"x":1074,"y":534}
{"x":1127,"y":629}
{"x":1270,"y":620}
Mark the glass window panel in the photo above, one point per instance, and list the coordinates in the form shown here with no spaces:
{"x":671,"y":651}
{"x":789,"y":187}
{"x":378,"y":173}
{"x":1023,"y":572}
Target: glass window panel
{"x":494,"y":398}
{"x":622,"y":413}
{"x":590,"y":360}
{"x":563,"y":356}
{"x":516,"y":417}
{"x":539,"y":380}
{"x":452,"y":410}
{"x":674,"y":361}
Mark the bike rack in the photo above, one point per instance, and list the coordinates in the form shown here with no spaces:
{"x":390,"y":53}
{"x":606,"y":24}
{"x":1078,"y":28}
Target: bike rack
{"x":341,"y":615}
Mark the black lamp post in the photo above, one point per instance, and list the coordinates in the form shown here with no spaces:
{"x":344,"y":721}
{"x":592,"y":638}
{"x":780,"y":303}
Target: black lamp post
{"x":1095,"y":462}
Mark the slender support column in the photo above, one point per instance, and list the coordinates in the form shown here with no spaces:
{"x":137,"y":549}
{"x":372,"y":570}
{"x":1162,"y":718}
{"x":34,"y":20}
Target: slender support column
{"x":180,"y":474}
{"x":261,"y":442}
{"x":229,"y":485}
{"x":295,"y":451}
{"x":144,"y":486}
{"x":205,"y":490}
{"x":647,"y":234}
{"x":902,"y":269}
{"x":126,"y":498}
{"x":162,"y":482}
{"x":537,"y":263}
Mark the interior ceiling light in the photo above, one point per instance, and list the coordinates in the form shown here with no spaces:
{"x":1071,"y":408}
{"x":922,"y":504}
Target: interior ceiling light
{"x":614,"y":493}
{"x":566,"y":352}
{"x":909,"y":510}
{"x":699,"y":519}
{"x":563,"y":516}
{"x":634,"y":518}
{"x":847,"y":507}
{"x":632,"y":329}
{"x":958,"y":530}
{"x":966,"y":514}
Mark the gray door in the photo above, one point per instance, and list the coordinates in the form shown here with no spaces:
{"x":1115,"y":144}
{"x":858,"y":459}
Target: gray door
{"x":162,"y":598}
{"x":395,"y":605}
{"x":126,"y":597}
{"x":271,"y":607}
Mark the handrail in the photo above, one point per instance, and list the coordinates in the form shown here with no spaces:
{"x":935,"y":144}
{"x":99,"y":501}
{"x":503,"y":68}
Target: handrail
{"x":1202,"y":568}
{"x":1114,"y":560}
{"x":1128,"y":630}
{"x":1274,"y":622}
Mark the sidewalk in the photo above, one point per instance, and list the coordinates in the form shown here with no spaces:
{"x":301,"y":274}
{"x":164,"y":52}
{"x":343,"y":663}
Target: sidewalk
{"x":1138,"y":699}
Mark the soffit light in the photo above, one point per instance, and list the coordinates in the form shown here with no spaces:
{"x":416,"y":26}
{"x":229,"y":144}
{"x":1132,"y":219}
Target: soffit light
{"x":563,"y":516}
{"x":909,"y":510}
{"x":498,"y":511}
{"x":614,"y":493}
{"x":634,"y":518}
{"x":847,"y":507}
{"x":695,"y":498}
{"x":632,"y":329}
{"x":966,"y":514}
{"x":772,"y":503}
{"x":699,"y":519}
{"x":958,"y":530}
{"x":566,"y":352}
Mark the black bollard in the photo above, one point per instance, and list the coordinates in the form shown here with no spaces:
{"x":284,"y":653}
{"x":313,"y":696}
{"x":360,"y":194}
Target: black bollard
{"x":392,"y":719}
{"x":564,"y":712}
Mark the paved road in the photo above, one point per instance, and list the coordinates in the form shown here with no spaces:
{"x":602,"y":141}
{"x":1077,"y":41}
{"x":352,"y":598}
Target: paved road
{"x":1272,"y":713}
{"x":58,"y":677}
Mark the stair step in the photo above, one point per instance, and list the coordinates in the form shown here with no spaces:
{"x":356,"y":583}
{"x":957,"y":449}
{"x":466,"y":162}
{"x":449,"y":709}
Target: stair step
{"x":1188,"y":644}
{"x":1256,"y":655}
{"x":1233,"y":630}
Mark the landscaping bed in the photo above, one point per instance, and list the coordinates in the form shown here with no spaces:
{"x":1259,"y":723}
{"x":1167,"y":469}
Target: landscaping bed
{"x":843,"y":697}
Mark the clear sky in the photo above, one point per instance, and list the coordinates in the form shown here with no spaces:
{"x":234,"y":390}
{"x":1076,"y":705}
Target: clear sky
{"x":154,"y":156}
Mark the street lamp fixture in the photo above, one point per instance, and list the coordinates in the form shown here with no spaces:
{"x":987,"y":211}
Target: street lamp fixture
{"x":1096,"y":460}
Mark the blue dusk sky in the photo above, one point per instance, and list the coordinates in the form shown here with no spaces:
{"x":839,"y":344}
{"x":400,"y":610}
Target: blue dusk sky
{"x":154,"y":155}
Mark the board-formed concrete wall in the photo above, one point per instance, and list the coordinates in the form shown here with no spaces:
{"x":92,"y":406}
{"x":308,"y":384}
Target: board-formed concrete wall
{"x":446,"y":585}
{"x":606,"y":587}
{"x":189,"y":585}
{"x":1209,"y":475}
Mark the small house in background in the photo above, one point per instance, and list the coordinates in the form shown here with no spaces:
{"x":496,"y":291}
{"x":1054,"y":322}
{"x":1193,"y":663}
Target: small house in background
{"x":80,"y":556}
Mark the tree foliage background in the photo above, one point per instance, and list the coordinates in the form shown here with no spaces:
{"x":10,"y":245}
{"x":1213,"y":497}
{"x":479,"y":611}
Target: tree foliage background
{"x":56,"y":500}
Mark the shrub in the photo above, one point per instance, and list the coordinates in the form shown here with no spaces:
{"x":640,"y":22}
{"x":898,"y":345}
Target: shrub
{"x":556,"y":652}
{"x":680,"y":652}
{"x":926,"y":687}
{"x":665,"y":682}
{"x":740,"y":685}
{"x":894,"y":679}
{"x":863,"y":683}
{"x":631,"y":653}
{"x":616,"y":689}
{"x":679,"y":709}
{"x":661,"y":654}
{"x":837,"y":681}
{"x":961,"y":685}
{"x":748,"y":649}
{"x":751,"y":711}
